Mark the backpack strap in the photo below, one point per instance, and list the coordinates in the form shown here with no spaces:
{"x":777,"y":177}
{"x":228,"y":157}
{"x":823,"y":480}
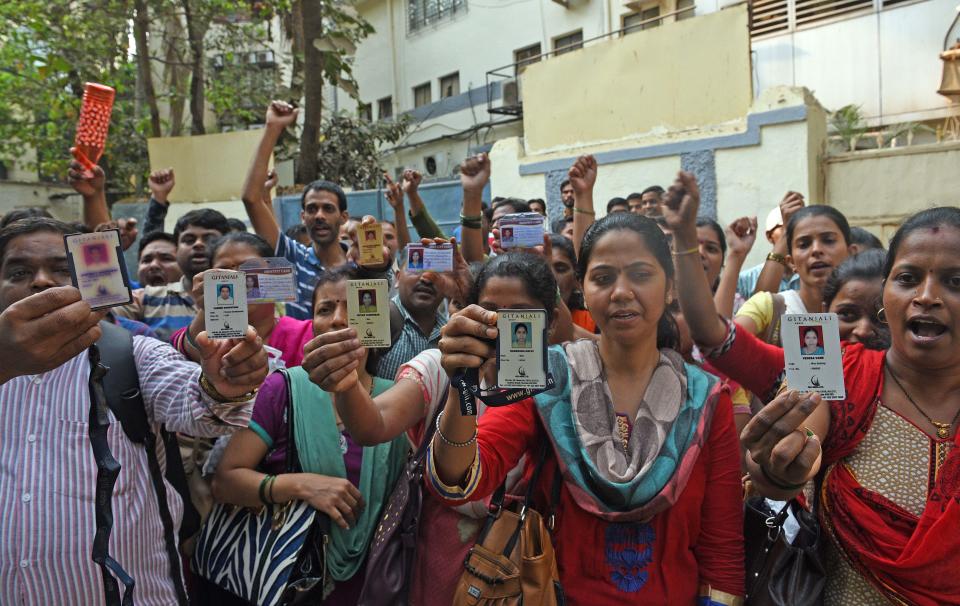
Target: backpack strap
{"x":121,"y":389}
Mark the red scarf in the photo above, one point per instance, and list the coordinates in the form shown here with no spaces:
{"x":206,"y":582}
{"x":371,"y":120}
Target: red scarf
{"x":910,"y":560}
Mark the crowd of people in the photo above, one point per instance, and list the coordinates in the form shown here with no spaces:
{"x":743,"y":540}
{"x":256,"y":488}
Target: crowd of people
{"x":667,"y":407}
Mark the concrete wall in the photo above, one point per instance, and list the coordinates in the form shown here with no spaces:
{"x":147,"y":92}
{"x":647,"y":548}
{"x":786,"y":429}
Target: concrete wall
{"x":62,"y":201}
{"x":777,"y":148}
{"x":878,"y":189}
{"x":674,"y":77}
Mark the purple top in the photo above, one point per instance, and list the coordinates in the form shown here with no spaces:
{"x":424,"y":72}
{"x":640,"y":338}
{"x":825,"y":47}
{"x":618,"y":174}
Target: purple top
{"x":268,"y":422}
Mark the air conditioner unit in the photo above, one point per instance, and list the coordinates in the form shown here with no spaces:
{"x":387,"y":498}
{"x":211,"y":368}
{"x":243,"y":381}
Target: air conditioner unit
{"x":437,"y":165}
{"x":266,"y":58}
{"x":218,"y":62}
{"x":510,"y":93}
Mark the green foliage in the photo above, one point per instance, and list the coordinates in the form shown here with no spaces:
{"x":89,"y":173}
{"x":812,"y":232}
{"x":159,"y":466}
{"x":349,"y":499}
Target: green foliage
{"x":848,"y":123}
{"x":348,"y":148}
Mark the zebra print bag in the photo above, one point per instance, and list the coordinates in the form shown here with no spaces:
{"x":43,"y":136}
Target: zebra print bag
{"x":272,"y":557}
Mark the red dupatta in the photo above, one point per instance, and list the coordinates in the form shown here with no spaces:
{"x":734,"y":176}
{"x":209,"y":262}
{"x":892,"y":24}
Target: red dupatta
{"x":910,"y":560}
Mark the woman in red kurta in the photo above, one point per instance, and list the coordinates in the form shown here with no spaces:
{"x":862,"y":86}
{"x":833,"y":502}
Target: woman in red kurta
{"x":889,"y":460}
{"x":650,"y":505}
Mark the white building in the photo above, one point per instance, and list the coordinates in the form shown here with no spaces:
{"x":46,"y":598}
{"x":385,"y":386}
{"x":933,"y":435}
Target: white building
{"x":433,"y":59}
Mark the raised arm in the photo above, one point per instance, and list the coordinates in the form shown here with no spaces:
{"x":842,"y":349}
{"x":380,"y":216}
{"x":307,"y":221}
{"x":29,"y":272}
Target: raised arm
{"x":92,"y":190}
{"x":680,"y":206}
{"x":419,"y":214}
{"x":280,"y":115}
{"x":474,"y":174}
{"x":161,"y":183}
{"x":395,"y":198}
{"x":741,"y":234}
{"x":776,"y":264}
{"x":583,"y":176}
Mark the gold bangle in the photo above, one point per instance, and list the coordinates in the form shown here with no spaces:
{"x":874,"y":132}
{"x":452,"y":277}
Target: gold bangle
{"x":584,"y":212}
{"x":211,"y":391}
{"x":694,"y":250}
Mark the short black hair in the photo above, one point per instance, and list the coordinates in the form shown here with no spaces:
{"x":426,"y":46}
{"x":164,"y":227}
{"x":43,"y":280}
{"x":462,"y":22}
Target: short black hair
{"x":565,"y":183}
{"x":153,"y":237}
{"x":634,"y":196}
{"x":202,"y":217}
{"x":559,"y":224}
{"x":240,"y":237}
{"x":31,"y":225}
{"x":295,"y":231}
{"x":24,"y":213}
{"x":518,"y":205}
{"x":327,"y":186}
{"x":864,"y":239}
{"x":615,"y":202}
{"x":236,"y":225}
{"x":653,"y":188}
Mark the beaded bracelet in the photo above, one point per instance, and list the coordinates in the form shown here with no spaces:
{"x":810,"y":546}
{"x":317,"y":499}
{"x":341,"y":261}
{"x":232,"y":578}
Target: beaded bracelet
{"x":444,"y":439}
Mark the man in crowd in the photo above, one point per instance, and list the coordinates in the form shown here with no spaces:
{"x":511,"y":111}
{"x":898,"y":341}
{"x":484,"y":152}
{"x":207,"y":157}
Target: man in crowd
{"x":538,"y":206}
{"x":48,"y":474}
{"x":650,"y":200}
{"x":418,"y":300}
{"x":748,"y":281}
{"x":618,"y":205}
{"x":323,"y":210}
{"x":168,"y":307}
{"x":566,"y":197}
{"x":157,"y":264}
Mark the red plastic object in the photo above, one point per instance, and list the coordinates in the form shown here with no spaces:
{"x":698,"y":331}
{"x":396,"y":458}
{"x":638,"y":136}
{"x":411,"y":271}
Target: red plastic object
{"x":92,"y":127}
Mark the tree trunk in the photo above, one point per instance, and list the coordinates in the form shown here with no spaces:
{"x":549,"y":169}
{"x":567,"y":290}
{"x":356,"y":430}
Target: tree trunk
{"x":311,"y":19}
{"x":141,"y":24}
{"x":195,"y":32}
{"x":175,"y":74}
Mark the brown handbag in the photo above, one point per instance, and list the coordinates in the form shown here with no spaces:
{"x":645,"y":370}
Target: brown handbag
{"x":513,"y":562}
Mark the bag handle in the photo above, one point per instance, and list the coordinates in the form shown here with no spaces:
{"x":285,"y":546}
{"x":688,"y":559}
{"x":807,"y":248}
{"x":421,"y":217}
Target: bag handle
{"x":292,"y":460}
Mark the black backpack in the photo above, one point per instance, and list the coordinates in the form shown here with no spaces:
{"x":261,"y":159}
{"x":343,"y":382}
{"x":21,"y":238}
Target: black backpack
{"x":121,"y":388}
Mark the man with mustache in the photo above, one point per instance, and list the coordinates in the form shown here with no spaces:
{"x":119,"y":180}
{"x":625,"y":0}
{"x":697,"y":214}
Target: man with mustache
{"x":157,"y":264}
{"x":417,"y":306}
{"x":323,"y":211}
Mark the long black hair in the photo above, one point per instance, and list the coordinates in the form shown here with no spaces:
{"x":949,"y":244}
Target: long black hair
{"x":335,"y":275}
{"x":818,"y":210}
{"x":667,"y":334}
{"x":258,"y":244}
{"x":532,"y":270}
{"x":925,"y":219}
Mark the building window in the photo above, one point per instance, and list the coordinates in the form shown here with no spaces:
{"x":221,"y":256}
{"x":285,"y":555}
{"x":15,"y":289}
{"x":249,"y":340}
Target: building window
{"x":365,"y":112}
{"x":687,"y":14}
{"x":385,"y":108}
{"x":421,"y":13}
{"x":645,"y":18}
{"x":450,"y":85}
{"x":421,"y":95}
{"x":568,"y":42}
{"x":526,"y":56}
{"x":778,"y":16}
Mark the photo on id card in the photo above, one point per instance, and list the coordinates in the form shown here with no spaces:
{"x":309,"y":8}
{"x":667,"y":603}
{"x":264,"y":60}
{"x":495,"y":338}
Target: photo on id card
{"x":522,"y":348}
{"x":97,"y":268}
{"x":370,"y":239}
{"x":269,"y":280}
{"x":435,"y":257}
{"x":812,"y":355}
{"x":521,"y":230}
{"x":225,"y":304}
{"x":368,"y":311}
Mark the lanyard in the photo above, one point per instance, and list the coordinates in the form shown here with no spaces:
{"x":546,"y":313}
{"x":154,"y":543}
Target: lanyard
{"x":468,"y":386}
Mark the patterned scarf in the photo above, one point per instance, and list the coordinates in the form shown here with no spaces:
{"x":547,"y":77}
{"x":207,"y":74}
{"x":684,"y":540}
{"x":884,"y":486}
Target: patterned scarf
{"x":669,"y":431}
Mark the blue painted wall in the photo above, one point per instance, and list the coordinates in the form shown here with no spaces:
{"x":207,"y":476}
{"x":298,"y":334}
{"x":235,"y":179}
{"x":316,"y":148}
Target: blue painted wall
{"x":443,"y":199}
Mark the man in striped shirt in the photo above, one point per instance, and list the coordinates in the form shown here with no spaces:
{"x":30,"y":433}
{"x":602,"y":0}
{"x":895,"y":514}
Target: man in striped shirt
{"x":170,"y":307}
{"x":47,"y":471}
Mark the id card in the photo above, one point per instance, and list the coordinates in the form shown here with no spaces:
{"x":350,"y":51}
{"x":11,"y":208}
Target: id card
{"x":368,"y":311}
{"x":225,"y":304}
{"x":811,"y":351}
{"x":97,"y":268}
{"x":269,"y":280}
{"x":371,"y":244}
{"x":522,"y":348}
{"x":435,"y":257}
{"x":521,"y":230}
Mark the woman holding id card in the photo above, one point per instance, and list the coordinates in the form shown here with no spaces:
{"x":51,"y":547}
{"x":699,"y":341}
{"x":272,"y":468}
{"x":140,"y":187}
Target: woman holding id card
{"x":649,"y":507}
{"x":885,"y":456}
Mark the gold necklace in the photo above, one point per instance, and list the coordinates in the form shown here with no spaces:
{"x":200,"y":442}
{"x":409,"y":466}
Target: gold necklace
{"x":943,"y":429}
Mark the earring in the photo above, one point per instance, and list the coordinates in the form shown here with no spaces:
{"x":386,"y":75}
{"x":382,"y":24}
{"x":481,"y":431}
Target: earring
{"x":882,"y":316}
